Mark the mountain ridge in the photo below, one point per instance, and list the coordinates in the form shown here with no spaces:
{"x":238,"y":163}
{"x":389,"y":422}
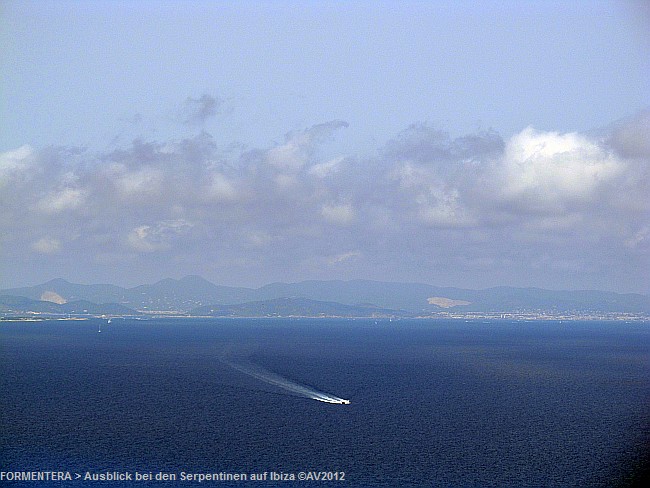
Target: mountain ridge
{"x":193,"y":292}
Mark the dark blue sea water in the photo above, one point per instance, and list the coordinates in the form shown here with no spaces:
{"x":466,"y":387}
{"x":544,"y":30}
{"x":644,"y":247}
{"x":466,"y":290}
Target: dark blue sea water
{"x":433,"y":403}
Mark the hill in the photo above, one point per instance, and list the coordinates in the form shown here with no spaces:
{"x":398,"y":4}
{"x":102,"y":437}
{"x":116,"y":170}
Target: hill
{"x":294,"y":307}
{"x":23,"y":305}
{"x":193,"y":293}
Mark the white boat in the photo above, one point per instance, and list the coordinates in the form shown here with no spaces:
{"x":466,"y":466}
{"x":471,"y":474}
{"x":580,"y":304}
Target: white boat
{"x":331,"y":400}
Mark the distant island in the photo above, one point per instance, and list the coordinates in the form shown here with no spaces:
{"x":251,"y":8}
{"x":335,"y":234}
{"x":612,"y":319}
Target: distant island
{"x":194,"y":296}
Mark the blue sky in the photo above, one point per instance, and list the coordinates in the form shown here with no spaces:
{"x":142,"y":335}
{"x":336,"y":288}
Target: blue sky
{"x":456,"y":143}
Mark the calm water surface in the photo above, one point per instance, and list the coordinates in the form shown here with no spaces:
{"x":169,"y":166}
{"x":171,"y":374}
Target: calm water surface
{"x":433,"y":403}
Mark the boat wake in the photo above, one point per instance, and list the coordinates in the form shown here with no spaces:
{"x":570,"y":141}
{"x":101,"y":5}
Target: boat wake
{"x":284,"y":383}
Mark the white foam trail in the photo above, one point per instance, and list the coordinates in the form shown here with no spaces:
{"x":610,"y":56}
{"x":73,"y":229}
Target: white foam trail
{"x":285,"y":383}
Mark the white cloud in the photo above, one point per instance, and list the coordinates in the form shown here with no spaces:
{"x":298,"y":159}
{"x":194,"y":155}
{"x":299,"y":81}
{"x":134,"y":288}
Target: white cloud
{"x":13,"y":163}
{"x":290,"y":156}
{"x":258,"y":239}
{"x":139,"y":239}
{"x":285,"y":182}
{"x":220,"y":188}
{"x":62,"y":200}
{"x":640,"y":239}
{"x":471,"y":203}
{"x":338,"y":214}
{"x":322,"y":170}
{"x":143,"y":181}
{"x":157,"y":237}
{"x":546,"y":171}
{"x":554,"y":223}
{"x":47,"y":245}
{"x":435,"y":201}
{"x":340,"y":258}
{"x":442,"y":208}
{"x":298,"y":147}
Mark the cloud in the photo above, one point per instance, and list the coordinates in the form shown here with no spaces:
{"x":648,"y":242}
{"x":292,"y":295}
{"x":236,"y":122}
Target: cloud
{"x":424,"y":206}
{"x":299,"y":146}
{"x":62,"y":200}
{"x":144,"y":180}
{"x":160,"y":236}
{"x":481,"y":181}
{"x":640,"y":239}
{"x":631,"y":137}
{"x":220,"y":188}
{"x":423,"y":144}
{"x":429,"y":198}
{"x":47,"y":245}
{"x":199,"y":110}
{"x":292,"y":155}
{"x":338,"y":214}
{"x":13,"y":164}
{"x":346,"y":256}
{"x":257,"y":239}
{"x":548,"y":172}
{"x":322,"y":170}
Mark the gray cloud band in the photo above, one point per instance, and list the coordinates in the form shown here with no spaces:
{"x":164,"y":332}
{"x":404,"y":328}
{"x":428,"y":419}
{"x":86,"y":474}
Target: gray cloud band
{"x":436,"y":198}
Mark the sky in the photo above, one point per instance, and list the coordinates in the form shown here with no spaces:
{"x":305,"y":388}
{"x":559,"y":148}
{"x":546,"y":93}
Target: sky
{"x":468,"y":144}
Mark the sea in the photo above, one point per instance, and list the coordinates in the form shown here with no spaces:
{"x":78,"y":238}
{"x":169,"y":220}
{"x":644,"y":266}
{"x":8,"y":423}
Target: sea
{"x":235,"y":402}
